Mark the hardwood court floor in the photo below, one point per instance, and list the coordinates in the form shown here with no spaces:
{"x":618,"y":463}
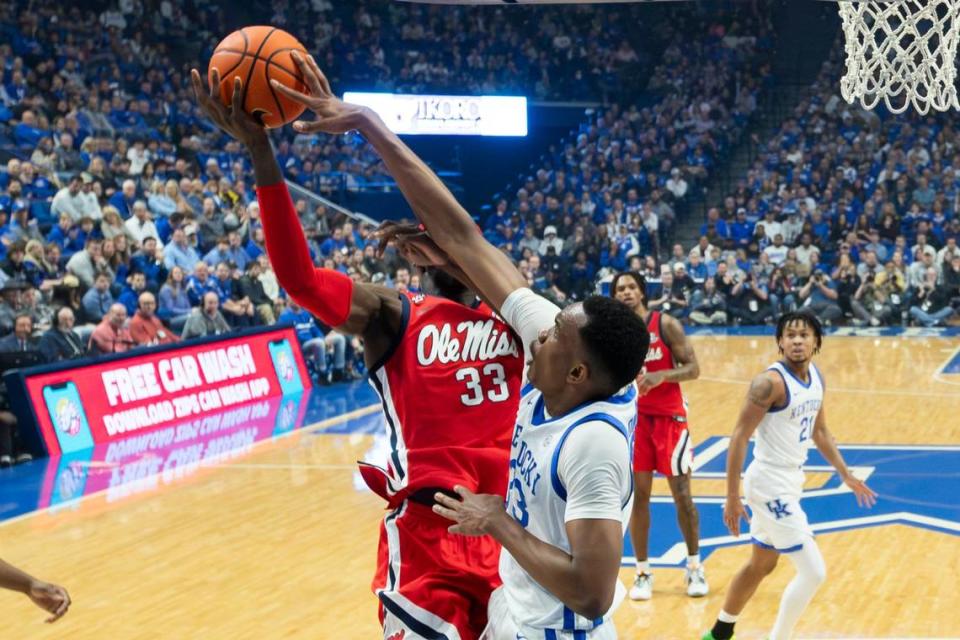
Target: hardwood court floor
{"x":279,"y":543}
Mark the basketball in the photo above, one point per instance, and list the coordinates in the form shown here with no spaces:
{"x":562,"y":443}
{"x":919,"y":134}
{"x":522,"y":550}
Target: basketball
{"x":258,"y":55}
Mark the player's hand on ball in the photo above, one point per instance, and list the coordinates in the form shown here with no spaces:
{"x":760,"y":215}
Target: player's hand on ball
{"x":51,"y":598}
{"x":474,"y":513}
{"x":733,"y":510}
{"x":233,"y":120}
{"x":866,"y":497}
{"x":333,"y":115}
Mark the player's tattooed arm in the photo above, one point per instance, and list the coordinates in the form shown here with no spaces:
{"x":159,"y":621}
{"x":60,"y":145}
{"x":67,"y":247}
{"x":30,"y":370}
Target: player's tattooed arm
{"x":761,"y":391}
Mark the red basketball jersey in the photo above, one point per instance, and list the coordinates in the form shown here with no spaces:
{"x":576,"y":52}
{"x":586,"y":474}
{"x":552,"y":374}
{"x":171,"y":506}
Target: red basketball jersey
{"x":665,"y":399}
{"x":449,"y":389}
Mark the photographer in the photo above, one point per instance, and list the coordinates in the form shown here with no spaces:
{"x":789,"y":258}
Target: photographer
{"x":709,"y":305}
{"x":751,"y":300}
{"x":932,"y":304}
{"x":819,"y":295}
{"x":783,"y":294}
{"x":870,"y":304}
{"x":848,"y":283}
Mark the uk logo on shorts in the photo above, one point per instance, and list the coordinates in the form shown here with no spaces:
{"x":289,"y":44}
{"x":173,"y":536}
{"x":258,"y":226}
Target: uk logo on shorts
{"x":778,"y":509}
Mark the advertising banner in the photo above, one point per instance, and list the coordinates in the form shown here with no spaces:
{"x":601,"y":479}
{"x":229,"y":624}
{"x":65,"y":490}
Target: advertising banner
{"x":75,"y":406}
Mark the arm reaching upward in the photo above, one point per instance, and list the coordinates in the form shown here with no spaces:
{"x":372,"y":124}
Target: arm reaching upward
{"x":371,"y":311}
{"x":450,"y":226}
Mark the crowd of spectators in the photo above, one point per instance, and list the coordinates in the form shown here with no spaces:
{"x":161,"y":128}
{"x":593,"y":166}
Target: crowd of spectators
{"x":545,"y":53}
{"x":612,"y":193}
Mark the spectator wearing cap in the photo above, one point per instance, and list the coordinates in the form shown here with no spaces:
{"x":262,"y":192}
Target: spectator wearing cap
{"x":145,"y":327}
{"x":181,"y":252}
{"x":771,"y":227}
{"x":112,"y":334}
{"x":61,"y":342}
{"x":550,"y":239}
{"x":676,"y":185}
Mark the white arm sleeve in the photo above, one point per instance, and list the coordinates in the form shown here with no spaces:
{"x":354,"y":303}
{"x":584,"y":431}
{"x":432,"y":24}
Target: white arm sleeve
{"x":594,"y":467}
{"x":528,"y":314}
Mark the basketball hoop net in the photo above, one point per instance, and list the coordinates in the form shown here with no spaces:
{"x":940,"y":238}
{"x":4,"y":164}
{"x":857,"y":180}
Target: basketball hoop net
{"x":902,"y":52}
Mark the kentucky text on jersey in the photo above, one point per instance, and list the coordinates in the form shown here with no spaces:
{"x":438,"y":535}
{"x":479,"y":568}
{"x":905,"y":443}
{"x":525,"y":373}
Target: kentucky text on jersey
{"x":523,"y":465}
{"x":474,"y":340}
{"x":808,"y":407}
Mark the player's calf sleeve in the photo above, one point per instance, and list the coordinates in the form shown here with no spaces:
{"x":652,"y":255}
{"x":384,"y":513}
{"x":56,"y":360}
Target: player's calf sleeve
{"x":325,"y":293}
{"x":811,"y":572}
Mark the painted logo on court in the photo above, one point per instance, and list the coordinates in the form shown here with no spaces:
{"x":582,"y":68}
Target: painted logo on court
{"x":911,"y":491}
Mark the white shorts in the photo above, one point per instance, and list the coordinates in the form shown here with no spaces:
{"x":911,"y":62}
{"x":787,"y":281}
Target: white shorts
{"x":502,"y":626}
{"x":776,"y":519}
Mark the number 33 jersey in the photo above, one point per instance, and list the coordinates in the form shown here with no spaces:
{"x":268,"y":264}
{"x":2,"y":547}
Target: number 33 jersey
{"x":449,"y":388}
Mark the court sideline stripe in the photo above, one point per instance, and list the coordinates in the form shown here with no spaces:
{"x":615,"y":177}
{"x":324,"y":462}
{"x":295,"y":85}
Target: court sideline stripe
{"x":350,"y":415}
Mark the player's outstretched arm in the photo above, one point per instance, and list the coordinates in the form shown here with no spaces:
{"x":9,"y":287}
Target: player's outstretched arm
{"x":330,"y":295}
{"x":827,"y":446}
{"x":50,"y":597}
{"x":766,"y":390}
{"x":450,"y":226}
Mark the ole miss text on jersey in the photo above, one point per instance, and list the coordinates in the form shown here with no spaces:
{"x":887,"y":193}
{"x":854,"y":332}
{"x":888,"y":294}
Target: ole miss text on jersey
{"x":449,"y":388}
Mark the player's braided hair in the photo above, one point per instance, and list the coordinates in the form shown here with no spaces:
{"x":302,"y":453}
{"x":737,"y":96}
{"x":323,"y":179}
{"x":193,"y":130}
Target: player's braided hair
{"x":803,"y":317}
{"x":616,"y":338}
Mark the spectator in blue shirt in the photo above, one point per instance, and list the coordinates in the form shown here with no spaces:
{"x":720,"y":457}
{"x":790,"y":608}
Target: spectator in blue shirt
{"x":180,"y":252}
{"x":315,"y":345}
{"x":130,"y":296}
{"x":123,"y":199}
{"x":97,"y":300}
{"x":174,"y":305}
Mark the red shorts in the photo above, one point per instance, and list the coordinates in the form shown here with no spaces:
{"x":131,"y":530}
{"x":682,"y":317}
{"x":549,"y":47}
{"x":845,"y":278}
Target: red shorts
{"x":430,"y":581}
{"x":662,"y":443}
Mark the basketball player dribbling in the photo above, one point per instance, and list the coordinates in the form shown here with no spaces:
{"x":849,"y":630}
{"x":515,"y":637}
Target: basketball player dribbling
{"x":784,"y":407}
{"x":661,"y":440}
{"x":50,"y":597}
{"x":448,"y":374}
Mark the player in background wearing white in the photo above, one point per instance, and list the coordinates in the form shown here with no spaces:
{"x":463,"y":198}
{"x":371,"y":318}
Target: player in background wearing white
{"x":661,"y":441}
{"x":570,"y":483}
{"x":50,"y":597}
{"x":785,"y":407}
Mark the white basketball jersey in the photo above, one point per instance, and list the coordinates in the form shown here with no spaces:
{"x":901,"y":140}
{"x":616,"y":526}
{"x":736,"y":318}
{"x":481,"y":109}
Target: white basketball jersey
{"x":536,"y":498}
{"x":783,"y":437}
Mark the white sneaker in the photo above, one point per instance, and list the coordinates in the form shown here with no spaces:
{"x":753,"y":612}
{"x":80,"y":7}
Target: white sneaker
{"x":642,"y":588}
{"x":696,"y":580}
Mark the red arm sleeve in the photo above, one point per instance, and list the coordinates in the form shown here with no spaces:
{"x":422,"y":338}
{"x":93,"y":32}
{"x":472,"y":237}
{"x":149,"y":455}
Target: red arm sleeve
{"x":323,"y":292}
